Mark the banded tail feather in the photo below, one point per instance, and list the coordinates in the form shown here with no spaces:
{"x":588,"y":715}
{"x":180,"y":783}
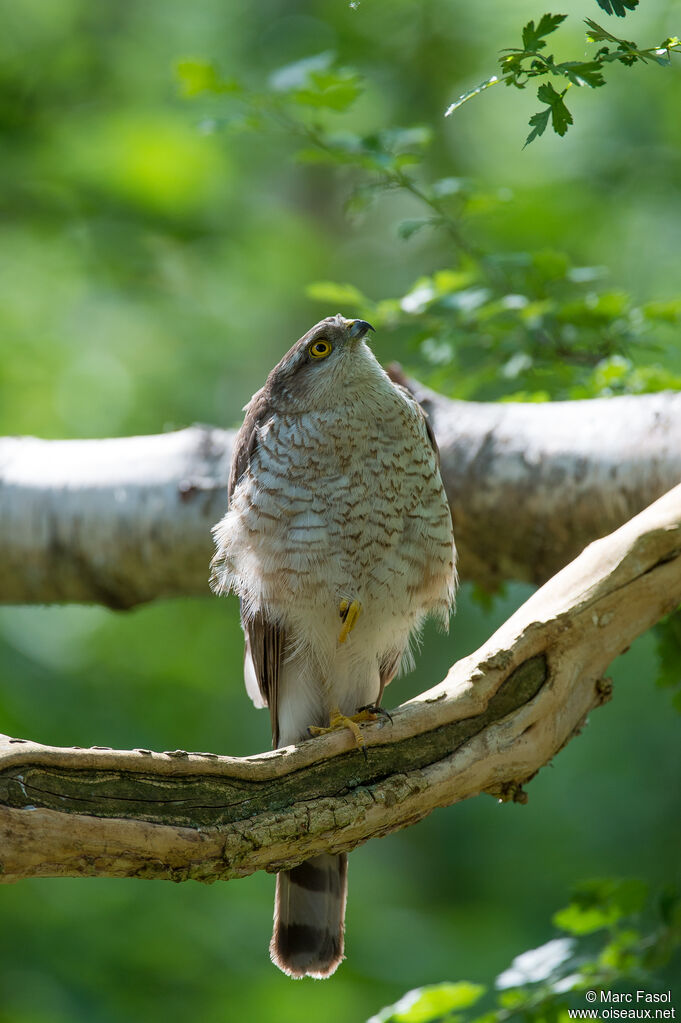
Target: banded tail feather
{"x":309,"y":917}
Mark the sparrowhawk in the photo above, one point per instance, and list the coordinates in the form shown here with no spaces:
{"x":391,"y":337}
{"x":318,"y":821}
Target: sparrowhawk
{"x":338,"y":542}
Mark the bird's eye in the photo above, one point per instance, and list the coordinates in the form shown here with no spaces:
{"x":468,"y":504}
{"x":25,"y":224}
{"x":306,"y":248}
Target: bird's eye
{"x":319,"y":349}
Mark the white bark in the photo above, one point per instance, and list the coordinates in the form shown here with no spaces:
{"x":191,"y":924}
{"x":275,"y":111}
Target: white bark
{"x":498,"y":717}
{"x":116,"y":521}
{"x":123,"y":521}
{"x":531,"y":484}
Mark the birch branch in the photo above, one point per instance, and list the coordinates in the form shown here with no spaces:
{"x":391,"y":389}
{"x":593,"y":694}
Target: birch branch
{"x":496,"y":719}
{"x":123,"y":521}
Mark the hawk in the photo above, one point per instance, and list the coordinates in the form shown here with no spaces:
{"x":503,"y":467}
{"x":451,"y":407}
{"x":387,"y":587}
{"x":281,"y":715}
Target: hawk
{"x":338,"y":542}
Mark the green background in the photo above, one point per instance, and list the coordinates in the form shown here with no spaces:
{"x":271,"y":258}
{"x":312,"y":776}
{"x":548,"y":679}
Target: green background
{"x":151,"y":271}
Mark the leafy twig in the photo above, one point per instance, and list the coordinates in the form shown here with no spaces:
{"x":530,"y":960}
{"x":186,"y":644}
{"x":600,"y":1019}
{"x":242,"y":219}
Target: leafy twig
{"x":520,"y":64}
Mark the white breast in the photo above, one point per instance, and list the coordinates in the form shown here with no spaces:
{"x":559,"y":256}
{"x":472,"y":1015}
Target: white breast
{"x":344,"y":504}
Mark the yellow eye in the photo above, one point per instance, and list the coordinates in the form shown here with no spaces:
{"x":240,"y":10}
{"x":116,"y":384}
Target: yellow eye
{"x":319,"y":349}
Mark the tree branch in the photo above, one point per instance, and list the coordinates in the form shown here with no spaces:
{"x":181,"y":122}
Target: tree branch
{"x":530,"y":485}
{"x":122,"y":521}
{"x":498,"y":717}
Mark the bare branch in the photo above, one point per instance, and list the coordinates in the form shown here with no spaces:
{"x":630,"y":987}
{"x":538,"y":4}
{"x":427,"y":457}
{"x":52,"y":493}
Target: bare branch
{"x":127,"y":520}
{"x":498,"y":717}
{"x":116,"y":522}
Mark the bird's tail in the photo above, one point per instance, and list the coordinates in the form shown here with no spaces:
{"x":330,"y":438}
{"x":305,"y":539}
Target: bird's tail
{"x":309,"y":917}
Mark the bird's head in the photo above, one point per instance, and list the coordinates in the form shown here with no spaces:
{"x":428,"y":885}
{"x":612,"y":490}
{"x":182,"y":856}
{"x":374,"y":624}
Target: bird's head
{"x":323,"y":367}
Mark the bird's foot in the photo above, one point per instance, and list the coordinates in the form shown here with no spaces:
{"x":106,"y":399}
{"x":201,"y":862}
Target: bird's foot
{"x":338,"y":720}
{"x":349,"y":613}
{"x":372,"y":712}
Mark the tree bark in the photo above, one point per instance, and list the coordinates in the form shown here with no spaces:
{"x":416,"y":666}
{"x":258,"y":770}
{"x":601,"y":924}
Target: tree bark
{"x":123,"y":521}
{"x":499,"y":715}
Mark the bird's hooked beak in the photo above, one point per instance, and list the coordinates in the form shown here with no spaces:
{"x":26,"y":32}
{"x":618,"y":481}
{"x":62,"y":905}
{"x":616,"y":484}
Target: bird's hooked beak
{"x":358,"y":328}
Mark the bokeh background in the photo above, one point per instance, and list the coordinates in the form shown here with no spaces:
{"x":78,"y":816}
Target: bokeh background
{"x":152,"y":269}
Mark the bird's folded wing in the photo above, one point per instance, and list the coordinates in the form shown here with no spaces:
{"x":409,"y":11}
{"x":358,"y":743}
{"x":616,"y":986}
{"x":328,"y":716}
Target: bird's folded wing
{"x":262,"y":662}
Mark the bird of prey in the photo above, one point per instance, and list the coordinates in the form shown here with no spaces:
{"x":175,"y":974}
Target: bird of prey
{"x":338,"y":542}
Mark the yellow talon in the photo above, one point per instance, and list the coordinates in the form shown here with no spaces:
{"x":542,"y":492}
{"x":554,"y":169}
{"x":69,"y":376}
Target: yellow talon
{"x":349,"y":613}
{"x":338,"y":720}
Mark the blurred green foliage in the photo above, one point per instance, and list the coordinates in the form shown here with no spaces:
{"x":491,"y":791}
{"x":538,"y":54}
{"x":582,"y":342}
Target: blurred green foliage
{"x":545,"y":983}
{"x":546,"y":328}
{"x":668,"y":636}
{"x":161,"y":247}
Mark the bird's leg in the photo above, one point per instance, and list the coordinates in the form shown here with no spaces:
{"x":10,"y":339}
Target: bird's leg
{"x":372,"y":712}
{"x":338,"y":720}
{"x":349,"y":613}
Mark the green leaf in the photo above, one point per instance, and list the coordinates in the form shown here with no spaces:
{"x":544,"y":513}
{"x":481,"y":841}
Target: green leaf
{"x":339,"y":147}
{"x":445,"y":187}
{"x":419,"y":297}
{"x":406,"y":160}
{"x":617,"y":7}
{"x":601,"y":903}
{"x":649,"y":379}
{"x":437,"y":353}
{"x":337,"y":294}
{"x":434,"y":1002}
{"x":538,"y":965}
{"x":561,"y":117}
{"x":599,"y":34}
{"x":597,"y":310}
{"x":402,"y":140}
{"x":533,"y":37}
{"x":359,"y":201}
{"x":582,"y":72}
{"x":663,"y":312}
{"x":611,"y":374}
{"x":547,"y":94}
{"x":200,"y":76}
{"x":331,"y":90}
{"x":407,"y":228}
{"x":550,"y":264}
{"x":622,"y":953}
{"x":448,"y":281}
{"x":466,"y":301}
{"x":538,"y":122}
{"x":295,"y":76}
{"x":514,"y":998}
{"x":315,"y":82}
{"x":576,"y":920}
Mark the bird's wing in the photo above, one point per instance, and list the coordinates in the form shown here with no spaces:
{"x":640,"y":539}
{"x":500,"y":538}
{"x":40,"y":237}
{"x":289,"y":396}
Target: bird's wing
{"x":430,"y":432}
{"x":387,"y":670}
{"x":243,"y":451}
{"x":262,"y":662}
{"x":264,"y":640}
{"x":246,"y":442}
{"x":425,"y":418}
